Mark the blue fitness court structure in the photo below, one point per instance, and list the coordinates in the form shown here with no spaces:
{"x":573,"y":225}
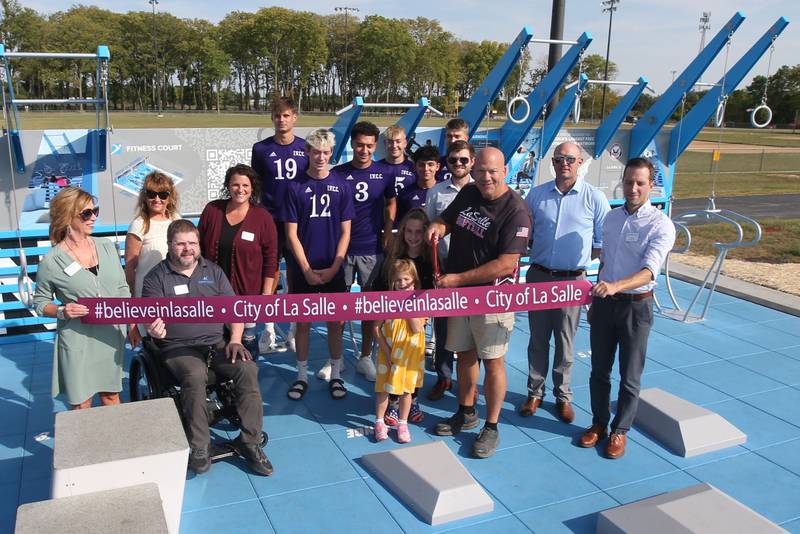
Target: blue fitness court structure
{"x":742,"y":362}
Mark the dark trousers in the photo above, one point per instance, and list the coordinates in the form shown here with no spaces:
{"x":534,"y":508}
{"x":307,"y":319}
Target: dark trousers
{"x":624,"y":324}
{"x":443,"y":358}
{"x":188,"y":366}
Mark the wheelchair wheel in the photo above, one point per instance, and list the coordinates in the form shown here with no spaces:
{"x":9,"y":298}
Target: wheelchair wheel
{"x":139,"y":381}
{"x":264,"y":439}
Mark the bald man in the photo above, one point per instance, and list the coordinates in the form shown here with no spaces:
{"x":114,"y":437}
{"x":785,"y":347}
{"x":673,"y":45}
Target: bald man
{"x":568,"y":217}
{"x":489,"y":225}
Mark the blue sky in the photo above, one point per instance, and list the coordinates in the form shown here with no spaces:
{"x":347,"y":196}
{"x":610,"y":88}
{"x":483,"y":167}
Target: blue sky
{"x":650,"y":37}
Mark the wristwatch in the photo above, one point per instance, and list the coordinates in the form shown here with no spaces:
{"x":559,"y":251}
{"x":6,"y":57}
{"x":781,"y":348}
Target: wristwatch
{"x":61,"y":313}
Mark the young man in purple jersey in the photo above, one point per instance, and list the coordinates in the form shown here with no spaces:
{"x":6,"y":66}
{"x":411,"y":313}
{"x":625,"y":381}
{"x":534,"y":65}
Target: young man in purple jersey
{"x":426,"y":165}
{"x":278,"y":160}
{"x":318,"y":215}
{"x":395,"y":142}
{"x":372,"y":185}
{"x":455,"y":130}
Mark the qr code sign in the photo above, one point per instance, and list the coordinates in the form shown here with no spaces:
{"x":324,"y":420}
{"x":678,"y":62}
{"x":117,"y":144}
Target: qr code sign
{"x":219,"y":161}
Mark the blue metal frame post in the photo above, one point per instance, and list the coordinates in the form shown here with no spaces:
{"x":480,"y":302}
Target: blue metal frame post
{"x":343,"y":125}
{"x":612,"y":122}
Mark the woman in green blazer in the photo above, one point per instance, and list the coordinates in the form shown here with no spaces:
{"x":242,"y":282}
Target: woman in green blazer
{"x":87,"y":358}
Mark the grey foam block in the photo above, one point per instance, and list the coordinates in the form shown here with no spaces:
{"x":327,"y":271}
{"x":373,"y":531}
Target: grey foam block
{"x":113,"y":433}
{"x":133,"y":510}
{"x":431,"y":481}
{"x":696,"y":509}
{"x":683,"y":427}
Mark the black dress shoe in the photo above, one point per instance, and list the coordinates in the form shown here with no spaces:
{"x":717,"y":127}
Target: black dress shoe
{"x":255,"y":457}
{"x":199,"y":461}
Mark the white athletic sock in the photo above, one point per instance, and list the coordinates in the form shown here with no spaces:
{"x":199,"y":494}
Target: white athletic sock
{"x":302,"y":371}
{"x":402,"y":421}
{"x":335,"y":366}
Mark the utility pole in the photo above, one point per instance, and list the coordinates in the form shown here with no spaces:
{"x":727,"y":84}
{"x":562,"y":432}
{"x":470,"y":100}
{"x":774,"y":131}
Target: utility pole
{"x":609,"y":6}
{"x":556,"y":33}
{"x":345,"y":10}
{"x":156,"y":80}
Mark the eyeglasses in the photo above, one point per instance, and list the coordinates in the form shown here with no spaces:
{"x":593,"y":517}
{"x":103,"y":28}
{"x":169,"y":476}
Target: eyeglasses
{"x":163,"y":195}
{"x":86,"y":214}
{"x":462,"y":161}
{"x":185,"y":244}
{"x":561,"y":159}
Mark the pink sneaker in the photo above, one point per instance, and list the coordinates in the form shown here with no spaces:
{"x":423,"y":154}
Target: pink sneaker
{"x":381,"y":431}
{"x":403,"y":435}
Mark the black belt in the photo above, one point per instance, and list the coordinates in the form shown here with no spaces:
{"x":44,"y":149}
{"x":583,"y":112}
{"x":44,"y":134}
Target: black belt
{"x":631,"y":297}
{"x":560,"y":274}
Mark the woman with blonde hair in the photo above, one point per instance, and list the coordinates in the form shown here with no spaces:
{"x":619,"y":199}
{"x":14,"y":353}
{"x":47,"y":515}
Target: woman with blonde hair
{"x":87,"y":358}
{"x":146,"y":240}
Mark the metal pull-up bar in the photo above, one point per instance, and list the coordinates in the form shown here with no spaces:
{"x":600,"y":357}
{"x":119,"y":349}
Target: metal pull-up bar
{"x":53,"y":55}
{"x":610,"y":82}
{"x":554,"y":41}
{"x":388,"y":105}
{"x":57,"y":101}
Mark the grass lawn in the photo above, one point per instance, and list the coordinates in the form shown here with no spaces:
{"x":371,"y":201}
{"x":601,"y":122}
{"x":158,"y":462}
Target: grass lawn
{"x":780,"y":241}
{"x":751,"y":136}
{"x":735,"y":184}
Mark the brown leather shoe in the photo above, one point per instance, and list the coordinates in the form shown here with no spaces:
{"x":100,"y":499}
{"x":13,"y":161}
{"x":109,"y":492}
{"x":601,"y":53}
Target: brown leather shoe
{"x":616,"y":445}
{"x":438,"y":389}
{"x":565,"y":411}
{"x":592,"y":435}
{"x":528,"y":407}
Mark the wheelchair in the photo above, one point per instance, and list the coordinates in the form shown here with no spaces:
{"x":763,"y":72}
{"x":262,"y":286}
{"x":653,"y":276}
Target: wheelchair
{"x":149,"y":378}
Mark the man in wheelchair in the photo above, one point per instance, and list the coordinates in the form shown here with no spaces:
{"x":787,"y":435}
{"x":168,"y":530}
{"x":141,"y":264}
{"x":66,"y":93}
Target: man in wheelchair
{"x":189,"y":350}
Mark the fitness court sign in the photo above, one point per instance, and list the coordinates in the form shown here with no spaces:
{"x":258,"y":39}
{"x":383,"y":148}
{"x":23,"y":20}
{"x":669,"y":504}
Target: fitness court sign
{"x":340,"y":306}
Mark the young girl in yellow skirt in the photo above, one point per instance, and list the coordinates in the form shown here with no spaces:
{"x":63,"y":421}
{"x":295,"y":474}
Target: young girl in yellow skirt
{"x":401,"y":356}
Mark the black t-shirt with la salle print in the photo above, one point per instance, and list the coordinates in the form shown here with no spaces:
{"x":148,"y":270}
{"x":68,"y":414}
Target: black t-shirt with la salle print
{"x":481,"y":229}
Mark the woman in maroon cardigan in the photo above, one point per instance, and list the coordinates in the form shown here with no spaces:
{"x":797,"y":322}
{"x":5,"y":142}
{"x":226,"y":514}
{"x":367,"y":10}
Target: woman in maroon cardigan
{"x":239,"y":235}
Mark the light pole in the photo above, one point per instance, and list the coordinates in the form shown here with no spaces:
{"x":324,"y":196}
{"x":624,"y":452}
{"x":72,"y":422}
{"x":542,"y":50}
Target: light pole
{"x":609,"y":6}
{"x":345,"y":10}
{"x":156,"y":83}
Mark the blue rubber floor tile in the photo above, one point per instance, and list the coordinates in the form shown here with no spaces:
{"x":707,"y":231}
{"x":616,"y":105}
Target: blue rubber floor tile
{"x":763,"y":335}
{"x":508,"y":475}
{"x":762,"y":429}
{"x":11,"y":454}
{"x":411,"y":522}
{"x":670,"y":327}
{"x":8,"y":506}
{"x":792,"y":526}
{"x":35,"y":489}
{"x":357,"y":406}
{"x":681,"y":385}
{"x":782,"y":403}
{"x":638,"y":463}
{"x":755,"y":482}
{"x":792,"y":352}
{"x":15,"y":408}
{"x":774,"y":365}
{"x":677,"y":460}
{"x":462,"y":443}
{"x":38,"y":459}
{"x":718,"y":343}
{"x":303,"y":462}
{"x":576,"y":516}
{"x":204,"y":491}
{"x":43,"y":410}
{"x":789,"y":324}
{"x":345,"y":507}
{"x":506,"y":525}
{"x":242,"y":517}
{"x":673,"y":353}
{"x":544,"y":424}
{"x":786,"y":455}
{"x":732,"y":379}
{"x":652,"y":486}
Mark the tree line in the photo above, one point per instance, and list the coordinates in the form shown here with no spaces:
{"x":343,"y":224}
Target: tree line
{"x":323,"y":61}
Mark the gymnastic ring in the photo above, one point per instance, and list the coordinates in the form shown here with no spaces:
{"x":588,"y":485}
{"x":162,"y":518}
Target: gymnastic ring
{"x":511,"y":106}
{"x":576,"y":110}
{"x":719,"y":117}
{"x":756,"y":124}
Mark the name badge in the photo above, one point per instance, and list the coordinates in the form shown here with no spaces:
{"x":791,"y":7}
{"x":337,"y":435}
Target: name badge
{"x":631,"y":238}
{"x":72,"y":268}
{"x":181,"y":289}
{"x":248,"y":236}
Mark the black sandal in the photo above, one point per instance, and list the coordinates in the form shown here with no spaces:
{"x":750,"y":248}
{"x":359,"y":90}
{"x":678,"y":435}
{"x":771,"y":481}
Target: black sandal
{"x":298,"y":389}
{"x":337,"y":389}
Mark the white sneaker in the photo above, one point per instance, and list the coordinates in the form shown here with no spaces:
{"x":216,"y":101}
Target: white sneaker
{"x":324,"y":372}
{"x":266,"y":343}
{"x":290,"y":341}
{"x":366,"y":368}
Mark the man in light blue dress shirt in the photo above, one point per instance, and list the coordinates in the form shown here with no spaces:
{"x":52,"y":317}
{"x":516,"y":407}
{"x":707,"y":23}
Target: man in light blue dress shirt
{"x":636,"y":240}
{"x":568,"y":217}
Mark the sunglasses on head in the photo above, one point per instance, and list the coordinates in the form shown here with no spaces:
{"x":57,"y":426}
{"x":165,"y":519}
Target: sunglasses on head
{"x":163,"y":195}
{"x":561,"y":159}
{"x":88,"y":212}
{"x":453,"y":161}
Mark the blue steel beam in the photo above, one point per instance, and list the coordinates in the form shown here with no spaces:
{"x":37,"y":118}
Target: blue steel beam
{"x":411,"y":119}
{"x":690,"y":125}
{"x":342,"y":127}
{"x":13,"y":118}
{"x":474,"y":111}
{"x":555,"y":120}
{"x":611,"y":124}
{"x":511,"y":135}
{"x":651,"y":122}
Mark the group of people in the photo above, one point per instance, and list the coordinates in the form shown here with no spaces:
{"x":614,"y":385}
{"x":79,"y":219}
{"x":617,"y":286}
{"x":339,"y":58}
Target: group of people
{"x":456,"y":223}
